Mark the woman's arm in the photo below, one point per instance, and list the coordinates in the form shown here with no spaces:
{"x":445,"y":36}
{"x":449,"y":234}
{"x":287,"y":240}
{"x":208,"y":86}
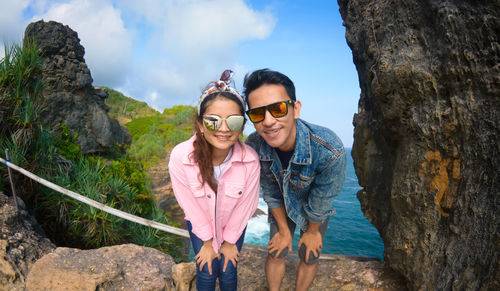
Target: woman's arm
{"x":187,"y":201}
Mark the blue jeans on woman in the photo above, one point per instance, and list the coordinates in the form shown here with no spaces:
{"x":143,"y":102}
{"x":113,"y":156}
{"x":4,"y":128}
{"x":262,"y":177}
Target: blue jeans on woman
{"x":228,"y":280}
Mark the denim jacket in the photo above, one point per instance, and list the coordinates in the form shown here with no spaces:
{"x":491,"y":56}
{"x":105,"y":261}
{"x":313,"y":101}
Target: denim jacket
{"x":314,"y":176}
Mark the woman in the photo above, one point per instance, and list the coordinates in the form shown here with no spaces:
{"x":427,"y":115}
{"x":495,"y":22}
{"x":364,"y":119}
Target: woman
{"x":215,"y":178}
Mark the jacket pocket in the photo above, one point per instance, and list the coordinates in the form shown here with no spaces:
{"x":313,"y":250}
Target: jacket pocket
{"x":234,"y":190}
{"x":197,"y":190}
{"x":232,"y":194}
{"x":300,"y":185}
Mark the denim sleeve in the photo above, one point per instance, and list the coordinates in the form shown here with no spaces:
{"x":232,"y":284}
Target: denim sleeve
{"x":326,"y":187}
{"x":271,"y":192}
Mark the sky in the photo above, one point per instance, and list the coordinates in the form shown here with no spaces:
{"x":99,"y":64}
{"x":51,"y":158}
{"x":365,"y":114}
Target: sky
{"x":164,"y":52}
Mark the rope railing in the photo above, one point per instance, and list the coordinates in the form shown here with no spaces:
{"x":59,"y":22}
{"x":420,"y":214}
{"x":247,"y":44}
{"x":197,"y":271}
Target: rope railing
{"x":103,"y":207}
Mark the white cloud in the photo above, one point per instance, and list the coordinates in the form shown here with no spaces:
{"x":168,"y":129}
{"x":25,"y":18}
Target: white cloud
{"x":153,"y":96}
{"x":192,"y":42}
{"x":196,"y":27}
{"x":12,"y":23}
{"x":108,"y":45}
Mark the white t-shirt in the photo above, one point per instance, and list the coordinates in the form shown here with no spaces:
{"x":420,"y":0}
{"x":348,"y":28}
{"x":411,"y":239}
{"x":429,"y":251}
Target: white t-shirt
{"x":219,"y":169}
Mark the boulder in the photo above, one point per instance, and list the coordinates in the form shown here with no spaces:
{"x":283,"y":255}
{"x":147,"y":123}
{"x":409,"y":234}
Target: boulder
{"x":122,"y":267}
{"x":22,"y":243}
{"x":69,"y":97}
{"x":426,"y":139}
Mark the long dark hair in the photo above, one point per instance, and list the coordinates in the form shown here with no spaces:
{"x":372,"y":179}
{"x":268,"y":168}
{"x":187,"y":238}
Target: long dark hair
{"x":202,"y":153}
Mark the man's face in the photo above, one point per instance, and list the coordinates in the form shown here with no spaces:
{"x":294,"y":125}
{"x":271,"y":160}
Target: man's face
{"x":277,"y":132}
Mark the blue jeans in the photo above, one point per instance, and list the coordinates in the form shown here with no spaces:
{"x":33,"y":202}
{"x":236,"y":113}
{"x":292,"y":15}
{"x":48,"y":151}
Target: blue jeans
{"x":228,"y":280}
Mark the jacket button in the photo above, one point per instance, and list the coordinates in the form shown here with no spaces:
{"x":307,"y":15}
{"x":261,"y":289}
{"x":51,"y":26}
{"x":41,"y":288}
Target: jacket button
{"x":209,"y":196}
{"x":239,"y":193}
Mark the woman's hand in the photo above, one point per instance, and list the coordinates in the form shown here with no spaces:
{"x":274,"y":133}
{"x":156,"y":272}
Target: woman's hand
{"x":206,"y":255}
{"x":230,"y":252}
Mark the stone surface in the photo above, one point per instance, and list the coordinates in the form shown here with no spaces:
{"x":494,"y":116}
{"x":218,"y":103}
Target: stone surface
{"x":184,"y":276}
{"x":335,"y":272}
{"x":122,"y":267}
{"x":426,"y":139}
{"x":22,"y":242}
{"x":69,"y":96}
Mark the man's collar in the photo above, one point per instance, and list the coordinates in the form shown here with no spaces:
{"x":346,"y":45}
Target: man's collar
{"x":302,"y":150}
{"x":302,"y":153}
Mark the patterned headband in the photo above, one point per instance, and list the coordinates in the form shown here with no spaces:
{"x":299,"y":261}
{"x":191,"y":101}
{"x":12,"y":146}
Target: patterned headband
{"x":220,"y":86}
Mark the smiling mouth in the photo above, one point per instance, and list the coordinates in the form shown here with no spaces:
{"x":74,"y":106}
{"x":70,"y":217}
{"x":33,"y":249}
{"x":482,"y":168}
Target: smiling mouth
{"x":272,"y":131}
{"x":223,"y":137}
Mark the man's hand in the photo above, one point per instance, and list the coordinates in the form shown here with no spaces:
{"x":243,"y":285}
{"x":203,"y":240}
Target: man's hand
{"x":206,"y":255}
{"x":312,"y":240}
{"x":280,"y":241}
{"x":230,"y":252}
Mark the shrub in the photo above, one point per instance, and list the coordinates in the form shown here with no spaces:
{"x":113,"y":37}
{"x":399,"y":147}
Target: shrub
{"x":147,"y":147}
{"x":142,"y":125}
{"x":176,"y":136}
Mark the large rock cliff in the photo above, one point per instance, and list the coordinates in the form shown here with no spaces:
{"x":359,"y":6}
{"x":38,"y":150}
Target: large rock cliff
{"x":69,"y":96}
{"x":426,"y":146}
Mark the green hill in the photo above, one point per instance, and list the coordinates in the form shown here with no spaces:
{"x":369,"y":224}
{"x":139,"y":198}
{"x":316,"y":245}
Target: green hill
{"x":124,"y":108}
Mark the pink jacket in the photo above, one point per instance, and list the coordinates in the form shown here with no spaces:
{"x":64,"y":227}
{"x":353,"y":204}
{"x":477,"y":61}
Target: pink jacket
{"x":224,"y":216}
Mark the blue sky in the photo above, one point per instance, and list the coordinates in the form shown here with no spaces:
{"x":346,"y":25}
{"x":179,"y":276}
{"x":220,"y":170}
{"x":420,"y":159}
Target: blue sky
{"x":165,"y":51}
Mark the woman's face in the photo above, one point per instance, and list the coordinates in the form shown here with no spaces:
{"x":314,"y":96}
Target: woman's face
{"x":223,"y":138}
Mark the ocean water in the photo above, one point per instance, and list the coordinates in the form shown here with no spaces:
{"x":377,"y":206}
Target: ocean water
{"x":349,"y":232}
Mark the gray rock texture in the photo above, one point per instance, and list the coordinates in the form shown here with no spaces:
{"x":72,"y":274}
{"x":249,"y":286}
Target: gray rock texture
{"x":426,"y":139}
{"x":22,"y":242}
{"x":69,"y":96}
{"x":122,"y":267}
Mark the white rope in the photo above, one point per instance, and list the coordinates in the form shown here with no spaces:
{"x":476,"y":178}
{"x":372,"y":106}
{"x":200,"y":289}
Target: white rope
{"x":96,"y":204}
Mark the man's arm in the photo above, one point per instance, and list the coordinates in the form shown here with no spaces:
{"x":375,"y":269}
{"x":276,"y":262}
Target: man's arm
{"x":326,"y":186}
{"x":312,"y":240}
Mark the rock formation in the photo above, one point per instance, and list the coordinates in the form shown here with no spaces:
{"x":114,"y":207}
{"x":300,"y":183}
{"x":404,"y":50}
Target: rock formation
{"x":69,"y":96}
{"x":22,"y":242}
{"x":131,"y":267}
{"x":426,"y":146}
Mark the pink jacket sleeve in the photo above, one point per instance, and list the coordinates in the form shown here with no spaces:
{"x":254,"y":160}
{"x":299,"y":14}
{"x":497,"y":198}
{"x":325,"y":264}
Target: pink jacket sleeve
{"x":199,"y":220}
{"x":246,"y":205}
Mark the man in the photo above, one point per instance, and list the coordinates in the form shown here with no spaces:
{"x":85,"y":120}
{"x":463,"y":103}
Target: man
{"x":302,"y":170}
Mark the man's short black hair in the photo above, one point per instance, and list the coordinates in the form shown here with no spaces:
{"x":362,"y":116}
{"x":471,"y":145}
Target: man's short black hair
{"x":265,"y":76}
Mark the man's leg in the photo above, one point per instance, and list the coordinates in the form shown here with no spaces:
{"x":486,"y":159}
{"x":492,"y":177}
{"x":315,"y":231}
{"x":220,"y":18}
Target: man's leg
{"x":305,"y":275}
{"x":307,"y":271}
{"x":275,"y":263}
{"x":275,"y":271}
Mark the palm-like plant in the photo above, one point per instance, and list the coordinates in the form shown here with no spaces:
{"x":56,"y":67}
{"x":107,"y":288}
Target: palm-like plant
{"x":21,"y":86}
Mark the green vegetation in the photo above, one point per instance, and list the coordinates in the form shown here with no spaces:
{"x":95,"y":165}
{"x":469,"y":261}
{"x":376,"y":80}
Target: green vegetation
{"x":150,"y":134}
{"x":121,"y":182}
{"x":123,"y":107}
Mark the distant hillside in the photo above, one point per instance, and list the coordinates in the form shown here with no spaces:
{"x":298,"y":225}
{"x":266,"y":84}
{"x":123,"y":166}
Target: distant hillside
{"x":124,"y":108}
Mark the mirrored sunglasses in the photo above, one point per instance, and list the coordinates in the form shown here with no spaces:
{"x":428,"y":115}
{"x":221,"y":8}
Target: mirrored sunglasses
{"x":214,"y":122}
{"x":277,"y":110}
